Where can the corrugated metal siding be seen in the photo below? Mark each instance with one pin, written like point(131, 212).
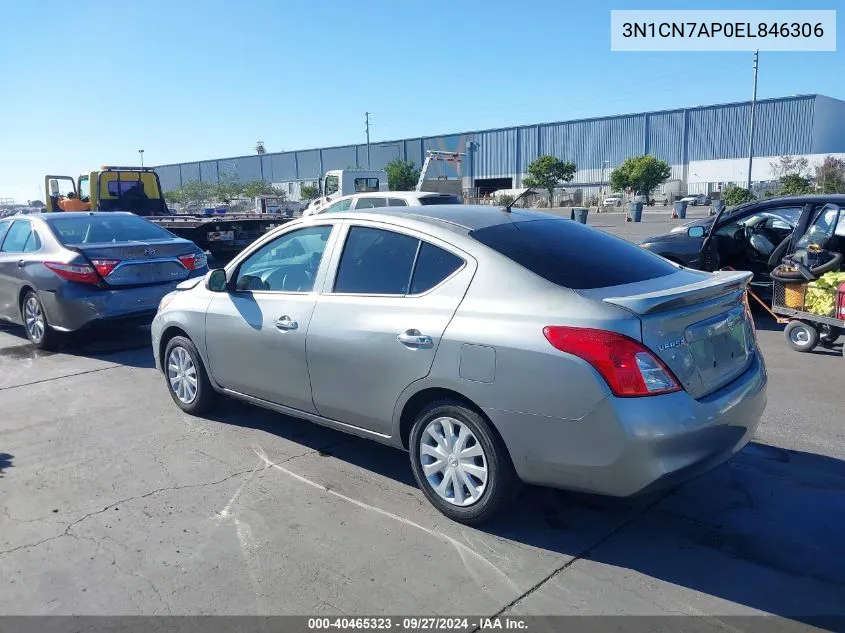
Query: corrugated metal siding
point(452, 143)
point(170, 177)
point(413, 151)
point(309, 164)
point(495, 154)
point(190, 172)
point(527, 147)
point(784, 126)
point(380, 154)
point(279, 167)
point(588, 143)
point(781, 127)
point(666, 136)
point(208, 171)
point(339, 158)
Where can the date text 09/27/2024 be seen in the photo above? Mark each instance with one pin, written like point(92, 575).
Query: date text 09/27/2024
point(417, 623)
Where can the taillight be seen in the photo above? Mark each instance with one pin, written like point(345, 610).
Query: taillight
point(80, 273)
point(629, 368)
point(104, 266)
point(193, 261)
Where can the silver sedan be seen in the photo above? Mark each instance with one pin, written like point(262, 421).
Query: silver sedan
point(497, 347)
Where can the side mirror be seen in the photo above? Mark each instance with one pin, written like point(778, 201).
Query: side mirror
point(696, 231)
point(54, 187)
point(216, 280)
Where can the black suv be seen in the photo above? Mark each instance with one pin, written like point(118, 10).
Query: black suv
point(753, 236)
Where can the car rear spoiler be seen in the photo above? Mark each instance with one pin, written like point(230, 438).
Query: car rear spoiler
point(718, 284)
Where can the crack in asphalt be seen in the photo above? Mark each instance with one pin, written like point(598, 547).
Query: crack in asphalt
point(43, 380)
point(85, 517)
point(585, 553)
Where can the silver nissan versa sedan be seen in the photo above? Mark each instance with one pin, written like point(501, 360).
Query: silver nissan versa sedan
point(496, 346)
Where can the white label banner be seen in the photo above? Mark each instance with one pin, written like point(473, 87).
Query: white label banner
point(712, 30)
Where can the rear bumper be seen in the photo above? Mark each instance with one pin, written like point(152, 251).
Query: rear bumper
point(626, 446)
point(75, 306)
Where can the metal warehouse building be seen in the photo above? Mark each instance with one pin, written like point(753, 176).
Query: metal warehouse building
point(707, 147)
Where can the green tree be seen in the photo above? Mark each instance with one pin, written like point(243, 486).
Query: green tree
point(549, 172)
point(794, 184)
point(309, 192)
point(198, 192)
point(36, 203)
point(830, 175)
point(175, 195)
point(737, 195)
point(255, 188)
point(401, 175)
point(228, 188)
point(640, 173)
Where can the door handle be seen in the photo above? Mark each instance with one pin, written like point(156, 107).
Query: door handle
point(21, 263)
point(414, 338)
point(286, 323)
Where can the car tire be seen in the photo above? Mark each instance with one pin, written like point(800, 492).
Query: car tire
point(487, 457)
point(186, 377)
point(801, 336)
point(38, 330)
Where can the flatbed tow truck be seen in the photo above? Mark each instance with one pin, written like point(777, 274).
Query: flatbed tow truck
point(138, 190)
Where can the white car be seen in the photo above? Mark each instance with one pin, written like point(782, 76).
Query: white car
point(695, 200)
point(613, 201)
point(377, 199)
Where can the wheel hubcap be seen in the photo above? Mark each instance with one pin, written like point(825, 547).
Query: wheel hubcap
point(453, 461)
point(800, 337)
point(182, 375)
point(34, 318)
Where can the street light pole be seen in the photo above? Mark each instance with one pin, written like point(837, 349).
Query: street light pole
point(141, 152)
point(751, 126)
point(367, 121)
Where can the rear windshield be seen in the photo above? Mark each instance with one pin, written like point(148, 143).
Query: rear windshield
point(97, 229)
point(572, 255)
point(444, 199)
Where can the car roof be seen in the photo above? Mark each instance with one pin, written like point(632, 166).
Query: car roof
point(407, 195)
point(81, 214)
point(461, 218)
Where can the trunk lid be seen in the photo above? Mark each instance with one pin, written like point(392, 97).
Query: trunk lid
point(696, 323)
point(141, 262)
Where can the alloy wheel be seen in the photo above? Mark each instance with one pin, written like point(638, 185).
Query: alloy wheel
point(34, 318)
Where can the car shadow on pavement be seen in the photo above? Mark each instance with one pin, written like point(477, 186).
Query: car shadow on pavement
point(763, 530)
point(5, 462)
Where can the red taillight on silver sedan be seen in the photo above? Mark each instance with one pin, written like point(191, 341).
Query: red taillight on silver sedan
point(80, 273)
point(629, 368)
point(193, 260)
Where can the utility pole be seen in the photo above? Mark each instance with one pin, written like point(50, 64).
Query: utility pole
point(367, 122)
point(751, 127)
point(141, 152)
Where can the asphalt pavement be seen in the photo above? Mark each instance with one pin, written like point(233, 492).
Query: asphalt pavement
point(114, 502)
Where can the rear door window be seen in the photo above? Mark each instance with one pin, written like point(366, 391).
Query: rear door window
point(375, 261)
point(17, 237)
point(397, 202)
point(4, 226)
point(433, 266)
point(340, 205)
point(572, 255)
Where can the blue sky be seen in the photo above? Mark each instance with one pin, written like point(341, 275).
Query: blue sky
point(87, 83)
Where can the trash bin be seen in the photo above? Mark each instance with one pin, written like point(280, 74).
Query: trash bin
point(716, 206)
point(580, 214)
point(635, 210)
point(680, 209)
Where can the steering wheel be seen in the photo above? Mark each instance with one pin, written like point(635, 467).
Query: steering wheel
point(298, 280)
point(133, 199)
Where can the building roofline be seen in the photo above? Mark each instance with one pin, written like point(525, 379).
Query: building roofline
point(511, 127)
